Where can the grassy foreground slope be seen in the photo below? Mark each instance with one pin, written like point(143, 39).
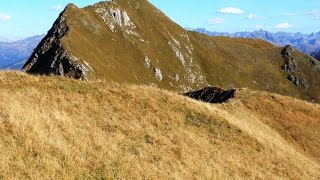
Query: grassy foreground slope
point(61, 128)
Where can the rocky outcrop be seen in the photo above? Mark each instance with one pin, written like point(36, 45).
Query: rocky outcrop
point(50, 57)
point(291, 67)
point(212, 94)
point(287, 51)
point(298, 81)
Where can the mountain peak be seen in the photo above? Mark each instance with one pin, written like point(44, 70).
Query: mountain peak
point(71, 6)
point(50, 57)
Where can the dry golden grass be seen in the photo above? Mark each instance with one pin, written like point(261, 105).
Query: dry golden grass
point(64, 129)
point(297, 121)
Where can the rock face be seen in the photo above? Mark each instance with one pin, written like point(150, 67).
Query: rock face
point(290, 65)
point(131, 41)
point(212, 94)
point(50, 57)
point(287, 51)
point(295, 66)
point(299, 81)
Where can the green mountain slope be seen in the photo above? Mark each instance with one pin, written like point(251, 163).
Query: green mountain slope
point(131, 41)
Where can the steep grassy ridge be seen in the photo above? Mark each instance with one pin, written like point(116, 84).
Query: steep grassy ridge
point(65, 129)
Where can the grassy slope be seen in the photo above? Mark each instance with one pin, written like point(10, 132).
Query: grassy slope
point(60, 128)
point(295, 120)
point(224, 62)
point(254, 64)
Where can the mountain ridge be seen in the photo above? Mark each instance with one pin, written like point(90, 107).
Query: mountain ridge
point(134, 42)
point(307, 43)
point(14, 54)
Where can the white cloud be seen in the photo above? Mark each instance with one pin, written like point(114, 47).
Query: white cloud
point(230, 10)
point(252, 16)
point(283, 26)
point(216, 21)
point(57, 7)
point(314, 13)
point(5, 17)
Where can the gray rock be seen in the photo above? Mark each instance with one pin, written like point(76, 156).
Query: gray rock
point(50, 57)
point(212, 94)
point(287, 51)
point(289, 67)
point(300, 82)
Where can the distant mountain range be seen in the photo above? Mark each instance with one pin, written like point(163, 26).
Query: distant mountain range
point(4, 39)
point(307, 43)
point(14, 54)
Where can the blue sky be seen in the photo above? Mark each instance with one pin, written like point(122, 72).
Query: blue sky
point(19, 19)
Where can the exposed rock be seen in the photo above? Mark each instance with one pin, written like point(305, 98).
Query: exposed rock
point(301, 82)
point(50, 57)
point(289, 67)
point(287, 51)
point(315, 64)
point(292, 69)
point(158, 74)
point(212, 94)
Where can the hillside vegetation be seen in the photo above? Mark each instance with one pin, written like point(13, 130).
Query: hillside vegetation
point(66, 129)
point(131, 41)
